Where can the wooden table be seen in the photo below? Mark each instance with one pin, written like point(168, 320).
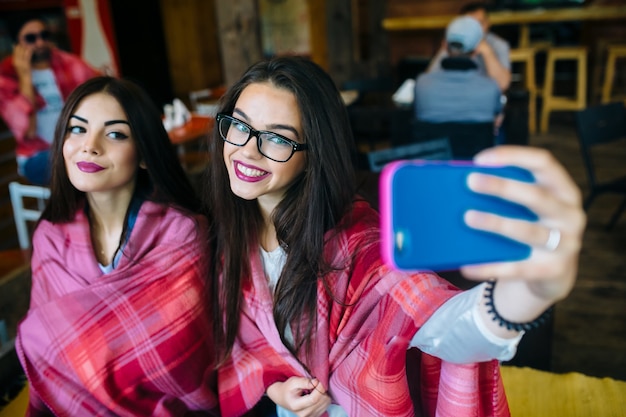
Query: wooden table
point(197, 127)
point(518, 17)
point(191, 133)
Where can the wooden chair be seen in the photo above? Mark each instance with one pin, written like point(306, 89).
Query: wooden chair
point(595, 126)
point(552, 102)
point(24, 213)
point(526, 56)
point(615, 52)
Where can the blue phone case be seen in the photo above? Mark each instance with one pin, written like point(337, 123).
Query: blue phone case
point(422, 204)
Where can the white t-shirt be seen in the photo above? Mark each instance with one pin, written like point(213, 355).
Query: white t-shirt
point(47, 87)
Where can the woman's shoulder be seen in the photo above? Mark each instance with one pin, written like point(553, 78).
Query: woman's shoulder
point(47, 229)
point(363, 214)
point(57, 237)
point(360, 223)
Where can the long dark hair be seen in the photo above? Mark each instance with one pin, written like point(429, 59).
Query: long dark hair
point(163, 180)
point(313, 205)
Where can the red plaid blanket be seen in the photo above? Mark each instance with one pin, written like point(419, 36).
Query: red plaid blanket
point(361, 341)
point(134, 342)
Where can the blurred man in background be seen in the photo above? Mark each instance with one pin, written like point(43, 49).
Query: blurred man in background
point(491, 54)
point(34, 83)
point(458, 91)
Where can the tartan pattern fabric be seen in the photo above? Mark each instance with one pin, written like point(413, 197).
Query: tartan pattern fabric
point(134, 342)
point(361, 340)
point(69, 71)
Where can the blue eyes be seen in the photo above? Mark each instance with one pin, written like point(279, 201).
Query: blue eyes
point(265, 136)
point(77, 130)
point(277, 140)
point(117, 135)
point(241, 127)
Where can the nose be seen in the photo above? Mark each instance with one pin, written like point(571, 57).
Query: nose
point(91, 144)
point(251, 149)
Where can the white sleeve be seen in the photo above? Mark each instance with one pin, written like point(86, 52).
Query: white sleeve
point(456, 333)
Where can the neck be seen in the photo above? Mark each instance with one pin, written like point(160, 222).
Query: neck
point(41, 65)
point(106, 218)
point(267, 236)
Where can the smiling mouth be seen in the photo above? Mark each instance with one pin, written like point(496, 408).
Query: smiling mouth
point(249, 172)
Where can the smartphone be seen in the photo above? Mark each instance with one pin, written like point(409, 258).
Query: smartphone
point(422, 204)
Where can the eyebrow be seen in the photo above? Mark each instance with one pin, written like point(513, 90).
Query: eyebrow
point(107, 123)
point(272, 126)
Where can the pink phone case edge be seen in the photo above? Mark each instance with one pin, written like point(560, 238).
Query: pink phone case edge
point(386, 213)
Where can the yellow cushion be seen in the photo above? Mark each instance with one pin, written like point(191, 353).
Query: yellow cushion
point(537, 393)
point(17, 407)
point(530, 393)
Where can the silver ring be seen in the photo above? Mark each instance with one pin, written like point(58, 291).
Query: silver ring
point(553, 240)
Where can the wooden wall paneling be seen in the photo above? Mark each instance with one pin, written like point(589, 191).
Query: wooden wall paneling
point(239, 37)
point(319, 40)
point(403, 8)
point(340, 40)
point(192, 43)
point(423, 43)
point(370, 51)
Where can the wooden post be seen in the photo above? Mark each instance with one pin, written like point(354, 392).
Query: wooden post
point(239, 37)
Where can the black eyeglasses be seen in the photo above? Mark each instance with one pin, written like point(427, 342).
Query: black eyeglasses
point(32, 37)
point(271, 145)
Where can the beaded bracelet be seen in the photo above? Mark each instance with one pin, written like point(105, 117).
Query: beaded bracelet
point(510, 325)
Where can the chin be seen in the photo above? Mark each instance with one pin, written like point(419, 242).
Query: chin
point(40, 56)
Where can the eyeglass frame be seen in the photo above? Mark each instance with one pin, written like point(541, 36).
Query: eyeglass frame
point(31, 38)
point(295, 146)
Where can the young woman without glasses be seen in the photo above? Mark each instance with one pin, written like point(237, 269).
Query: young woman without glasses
point(118, 324)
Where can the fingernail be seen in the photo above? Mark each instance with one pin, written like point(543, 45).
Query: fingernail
point(473, 218)
point(474, 181)
point(485, 158)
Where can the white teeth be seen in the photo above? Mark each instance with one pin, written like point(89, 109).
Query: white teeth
point(249, 172)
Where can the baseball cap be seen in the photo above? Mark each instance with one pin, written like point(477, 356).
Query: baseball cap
point(465, 30)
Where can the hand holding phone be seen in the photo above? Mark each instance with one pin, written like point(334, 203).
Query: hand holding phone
point(422, 204)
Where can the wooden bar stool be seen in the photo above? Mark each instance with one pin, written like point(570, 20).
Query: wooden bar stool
point(615, 52)
point(551, 102)
point(527, 57)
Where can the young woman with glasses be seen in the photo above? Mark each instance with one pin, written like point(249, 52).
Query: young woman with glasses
point(312, 318)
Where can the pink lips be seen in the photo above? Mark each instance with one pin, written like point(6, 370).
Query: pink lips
point(89, 167)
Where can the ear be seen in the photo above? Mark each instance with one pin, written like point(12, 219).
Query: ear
point(142, 164)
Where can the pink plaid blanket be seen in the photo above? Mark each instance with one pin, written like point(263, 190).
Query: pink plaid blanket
point(134, 342)
point(361, 344)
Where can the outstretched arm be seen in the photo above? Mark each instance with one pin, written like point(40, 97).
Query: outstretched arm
point(525, 289)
